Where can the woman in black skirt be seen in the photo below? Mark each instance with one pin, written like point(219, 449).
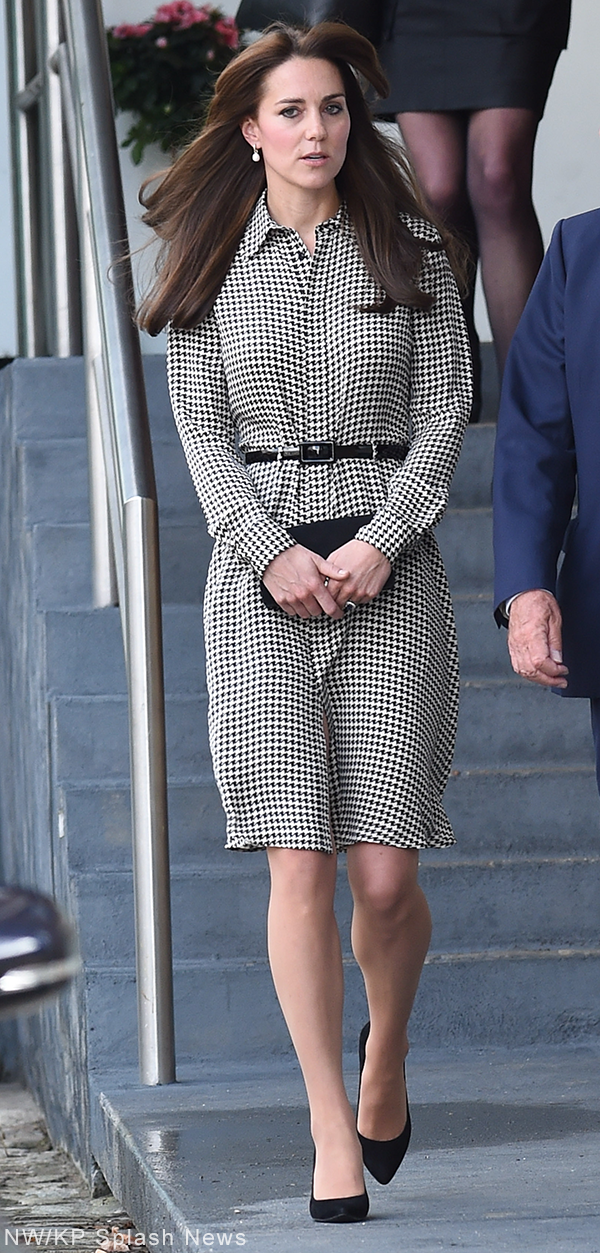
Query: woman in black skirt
point(469, 83)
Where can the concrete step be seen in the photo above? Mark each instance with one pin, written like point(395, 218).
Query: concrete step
point(47, 398)
point(465, 540)
point(481, 645)
point(54, 481)
point(495, 813)
point(471, 486)
point(521, 811)
point(516, 723)
point(62, 564)
point(95, 822)
point(500, 723)
point(91, 739)
point(512, 998)
point(84, 651)
point(220, 913)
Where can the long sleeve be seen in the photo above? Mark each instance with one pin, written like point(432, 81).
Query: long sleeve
point(534, 471)
point(198, 388)
point(440, 402)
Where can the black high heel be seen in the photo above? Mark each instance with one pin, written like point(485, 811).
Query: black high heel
point(381, 1157)
point(340, 1209)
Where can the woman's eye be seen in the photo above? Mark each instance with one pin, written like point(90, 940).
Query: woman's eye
point(334, 108)
point(291, 111)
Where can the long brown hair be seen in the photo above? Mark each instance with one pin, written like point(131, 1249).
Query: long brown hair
point(203, 202)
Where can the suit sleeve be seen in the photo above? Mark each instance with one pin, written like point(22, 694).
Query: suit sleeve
point(534, 467)
point(234, 513)
point(441, 393)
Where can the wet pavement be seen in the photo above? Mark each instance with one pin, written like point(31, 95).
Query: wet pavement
point(505, 1158)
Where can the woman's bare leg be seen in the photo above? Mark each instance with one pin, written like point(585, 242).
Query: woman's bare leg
point(500, 147)
point(437, 146)
point(306, 963)
point(391, 930)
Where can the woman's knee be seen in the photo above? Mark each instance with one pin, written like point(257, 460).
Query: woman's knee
point(302, 876)
point(499, 172)
point(383, 880)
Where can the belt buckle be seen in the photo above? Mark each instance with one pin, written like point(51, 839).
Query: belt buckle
point(317, 452)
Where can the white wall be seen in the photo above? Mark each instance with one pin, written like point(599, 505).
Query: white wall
point(567, 167)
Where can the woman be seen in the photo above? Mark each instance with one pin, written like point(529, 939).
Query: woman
point(318, 323)
point(468, 88)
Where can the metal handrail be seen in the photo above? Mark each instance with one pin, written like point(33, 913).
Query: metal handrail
point(68, 180)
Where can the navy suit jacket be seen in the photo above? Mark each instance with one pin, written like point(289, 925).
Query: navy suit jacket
point(548, 447)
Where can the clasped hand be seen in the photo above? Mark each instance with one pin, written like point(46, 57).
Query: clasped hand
point(535, 639)
point(307, 585)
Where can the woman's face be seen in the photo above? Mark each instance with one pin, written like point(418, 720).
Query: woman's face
point(302, 124)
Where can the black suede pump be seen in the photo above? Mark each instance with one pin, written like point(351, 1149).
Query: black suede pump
point(381, 1157)
point(341, 1209)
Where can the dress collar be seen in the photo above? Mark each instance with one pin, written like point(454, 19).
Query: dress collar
point(260, 225)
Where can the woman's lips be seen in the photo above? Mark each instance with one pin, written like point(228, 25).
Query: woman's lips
point(315, 158)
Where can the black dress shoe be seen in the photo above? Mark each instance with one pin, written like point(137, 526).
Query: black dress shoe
point(339, 1209)
point(381, 1157)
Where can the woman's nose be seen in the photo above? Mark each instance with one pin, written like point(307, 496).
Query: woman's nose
point(315, 126)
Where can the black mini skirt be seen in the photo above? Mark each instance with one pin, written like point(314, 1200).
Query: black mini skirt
point(448, 55)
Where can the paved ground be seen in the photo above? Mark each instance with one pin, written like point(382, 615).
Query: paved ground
point(43, 1198)
point(505, 1157)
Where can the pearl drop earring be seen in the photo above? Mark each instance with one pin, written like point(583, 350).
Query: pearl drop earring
point(256, 153)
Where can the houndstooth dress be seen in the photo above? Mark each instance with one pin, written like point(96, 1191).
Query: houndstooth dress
point(284, 356)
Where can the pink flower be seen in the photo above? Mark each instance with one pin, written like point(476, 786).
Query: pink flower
point(128, 31)
point(161, 42)
point(228, 31)
point(180, 13)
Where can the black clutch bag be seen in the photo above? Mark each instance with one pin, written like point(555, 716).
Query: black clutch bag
point(364, 15)
point(323, 538)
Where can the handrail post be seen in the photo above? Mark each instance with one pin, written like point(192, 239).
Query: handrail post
point(26, 199)
point(46, 116)
point(131, 489)
point(148, 788)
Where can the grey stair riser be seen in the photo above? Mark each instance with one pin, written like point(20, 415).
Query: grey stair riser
point(494, 814)
point(33, 381)
point(84, 651)
point(482, 647)
point(223, 915)
point(231, 1014)
point(465, 540)
point(54, 482)
point(97, 826)
point(48, 398)
point(525, 812)
point(91, 738)
point(520, 724)
point(498, 724)
point(471, 487)
point(63, 554)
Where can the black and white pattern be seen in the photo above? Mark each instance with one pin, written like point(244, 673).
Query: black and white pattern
point(286, 356)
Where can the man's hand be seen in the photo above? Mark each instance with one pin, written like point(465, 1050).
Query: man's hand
point(299, 581)
point(535, 638)
point(368, 570)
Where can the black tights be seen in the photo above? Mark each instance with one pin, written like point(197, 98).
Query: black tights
point(476, 170)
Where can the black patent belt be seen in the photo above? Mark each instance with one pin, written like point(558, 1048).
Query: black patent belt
point(325, 452)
